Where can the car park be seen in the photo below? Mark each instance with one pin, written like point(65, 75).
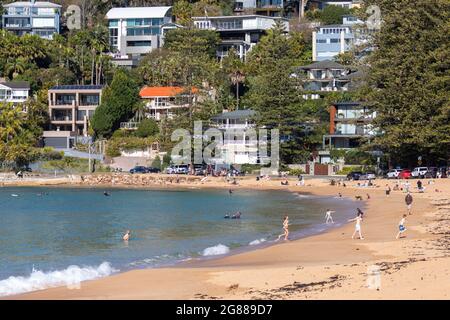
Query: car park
point(431, 173)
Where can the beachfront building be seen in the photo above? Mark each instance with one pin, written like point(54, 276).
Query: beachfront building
point(136, 31)
point(238, 146)
point(163, 102)
point(349, 123)
point(15, 92)
point(238, 32)
point(70, 108)
point(34, 17)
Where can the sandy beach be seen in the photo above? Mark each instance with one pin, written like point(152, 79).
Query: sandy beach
point(326, 266)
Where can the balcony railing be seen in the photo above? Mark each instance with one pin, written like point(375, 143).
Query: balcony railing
point(129, 125)
point(61, 118)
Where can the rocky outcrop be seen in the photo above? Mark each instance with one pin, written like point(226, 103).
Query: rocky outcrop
point(137, 179)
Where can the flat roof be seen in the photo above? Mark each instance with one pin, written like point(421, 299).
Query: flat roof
point(239, 17)
point(77, 87)
point(137, 12)
point(39, 4)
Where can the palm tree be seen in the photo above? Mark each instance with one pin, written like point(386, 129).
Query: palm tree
point(14, 67)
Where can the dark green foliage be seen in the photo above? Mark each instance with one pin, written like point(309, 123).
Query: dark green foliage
point(410, 76)
point(117, 104)
point(156, 163)
point(147, 128)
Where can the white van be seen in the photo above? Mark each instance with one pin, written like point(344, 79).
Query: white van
point(393, 174)
point(419, 172)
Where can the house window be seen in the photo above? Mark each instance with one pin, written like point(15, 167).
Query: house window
point(139, 43)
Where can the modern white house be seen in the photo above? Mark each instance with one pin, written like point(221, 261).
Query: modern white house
point(135, 31)
point(34, 17)
point(238, 32)
point(14, 91)
point(239, 145)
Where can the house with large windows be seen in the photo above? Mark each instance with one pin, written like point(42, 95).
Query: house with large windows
point(34, 17)
point(135, 31)
point(70, 109)
point(14, 91)
point(239, 32)
point(163, 102)
point(350, 122)
point(325, 76)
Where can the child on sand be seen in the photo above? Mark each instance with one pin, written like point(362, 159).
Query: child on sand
point(285, 229)
point(328, 216)
point(401, 227)
point(358, 220)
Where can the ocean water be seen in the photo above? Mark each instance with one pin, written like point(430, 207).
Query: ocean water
point(60, 236)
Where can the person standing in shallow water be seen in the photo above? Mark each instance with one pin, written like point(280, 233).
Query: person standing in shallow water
point(285, 229)
point(127, 235)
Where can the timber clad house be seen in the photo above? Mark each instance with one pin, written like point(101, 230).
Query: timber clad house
point(349, 123)
point(34, 17)
point(70, 109)
point(238, 32)
point(163, 102)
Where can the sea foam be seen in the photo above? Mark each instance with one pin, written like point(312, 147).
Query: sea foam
point(216, 250)
point(257, 241)
point(38, 280)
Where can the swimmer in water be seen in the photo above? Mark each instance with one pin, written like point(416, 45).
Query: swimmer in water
point(127, 235)
point(237, 215)
point(227, 216)
point(106, 194)
point(230, 191)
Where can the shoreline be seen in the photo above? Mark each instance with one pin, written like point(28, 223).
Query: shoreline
point(277, 263)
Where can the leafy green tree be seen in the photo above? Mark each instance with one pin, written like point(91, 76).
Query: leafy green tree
point(156, 163)
point(117, 104)
point(409, 80)
point(331, 14)
point(147, 128)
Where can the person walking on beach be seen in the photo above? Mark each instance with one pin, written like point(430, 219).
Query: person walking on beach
point(328, 216)
point(419, 186)
point(127, 235)
point(285, 229)
point(388, 190)
point(401, 227)
point(358, 220)
point(409, 201)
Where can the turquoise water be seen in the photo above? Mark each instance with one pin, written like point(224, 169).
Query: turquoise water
point(47, 229)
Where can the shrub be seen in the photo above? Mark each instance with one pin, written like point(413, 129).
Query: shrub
point(147, 128)
point(156, 162)
point(296, 172)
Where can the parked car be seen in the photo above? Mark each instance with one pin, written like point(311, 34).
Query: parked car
point(199, 170)
point(178, 169)
point(431, 173)
point(419, 172)
point(444, 171)
point(153, 170)
point(393, 173)
point(139, 169)
point(404, 174)
point(354, 175)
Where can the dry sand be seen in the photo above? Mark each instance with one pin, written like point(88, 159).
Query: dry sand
point(325, 266)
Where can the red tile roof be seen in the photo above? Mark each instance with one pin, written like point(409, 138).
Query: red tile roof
point(149, 92)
